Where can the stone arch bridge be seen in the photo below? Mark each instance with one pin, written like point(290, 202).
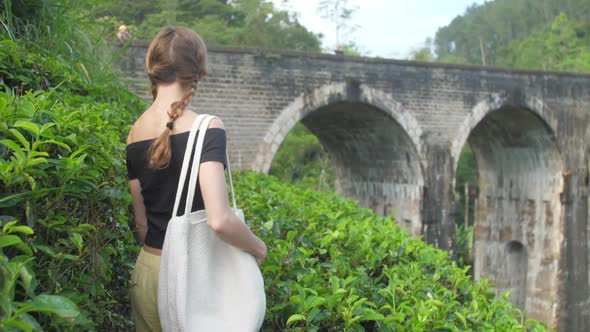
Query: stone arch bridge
point(394, 131)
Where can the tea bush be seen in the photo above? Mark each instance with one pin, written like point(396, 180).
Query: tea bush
point(65, 248)
point(334, 266)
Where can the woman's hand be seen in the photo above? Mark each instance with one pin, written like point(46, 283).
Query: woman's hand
point(261, 254)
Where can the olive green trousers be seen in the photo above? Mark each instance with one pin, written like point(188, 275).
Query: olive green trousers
point(144, 292)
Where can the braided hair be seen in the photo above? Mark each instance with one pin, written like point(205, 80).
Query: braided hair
point(176, 54)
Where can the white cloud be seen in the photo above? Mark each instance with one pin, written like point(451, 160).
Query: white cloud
point(387, 28)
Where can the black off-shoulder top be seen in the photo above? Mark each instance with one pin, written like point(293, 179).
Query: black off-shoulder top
point(158, 186)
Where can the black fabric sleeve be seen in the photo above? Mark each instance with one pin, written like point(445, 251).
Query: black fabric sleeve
point(131, 174)
point(214, 146)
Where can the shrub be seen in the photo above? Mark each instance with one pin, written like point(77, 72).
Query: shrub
point(62, 176)
point(16, 308)
point(334, 266)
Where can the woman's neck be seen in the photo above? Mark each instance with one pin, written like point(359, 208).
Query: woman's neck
point(167, 94)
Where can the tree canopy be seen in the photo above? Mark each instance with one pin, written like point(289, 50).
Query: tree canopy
point(238, 22)
point(543, 34)
point(563, 45)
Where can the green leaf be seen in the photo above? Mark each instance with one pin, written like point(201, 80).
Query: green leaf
point(54, 142)
point(12, 200)
point(353, 320)
point(19, 324)
point(71, 257)
point(35, 161)
point(268, 225)
point(370, 314)
point(46, 249)
point(312, 314)
point(28, 278)
point(8, 226)
point(31, 321)
point(21, 138)
point(314, 301)
point(461, 318)
point(77, 240)
point(9, 240)
point(47, 126)
point(22, 229)
point(298, 299)
point(55, 304)
point(11, 145)
point(291, 235)
point(294, 319)
point(85, 228)
point(28, 126)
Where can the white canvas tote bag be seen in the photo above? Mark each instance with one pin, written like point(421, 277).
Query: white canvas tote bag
point(205, 283)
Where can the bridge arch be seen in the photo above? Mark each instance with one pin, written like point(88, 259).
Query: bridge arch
point(373, 143)
point(520, 182)
point(493, 102)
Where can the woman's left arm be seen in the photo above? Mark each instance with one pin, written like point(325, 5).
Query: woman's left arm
point(138, 210)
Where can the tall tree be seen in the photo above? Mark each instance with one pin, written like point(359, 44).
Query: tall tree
point(129, 12)
point(424, 53)
point(340, 13)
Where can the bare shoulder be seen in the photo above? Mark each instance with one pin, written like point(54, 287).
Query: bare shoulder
point(216, 123)
point(136, 130)
point(132, 137)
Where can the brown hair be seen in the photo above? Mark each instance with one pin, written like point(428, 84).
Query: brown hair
point(176, 54)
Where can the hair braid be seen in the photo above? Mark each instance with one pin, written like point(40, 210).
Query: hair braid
point(160, 151)
point(175, 55)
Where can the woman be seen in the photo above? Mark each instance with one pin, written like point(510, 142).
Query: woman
point(175, 62)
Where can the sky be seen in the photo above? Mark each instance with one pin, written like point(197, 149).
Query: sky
point(386, 28)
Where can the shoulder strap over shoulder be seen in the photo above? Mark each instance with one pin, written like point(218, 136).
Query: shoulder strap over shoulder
point(197, 161)
point(231, 183)
point(199, 126)
point(194, 171)
point(186, 161)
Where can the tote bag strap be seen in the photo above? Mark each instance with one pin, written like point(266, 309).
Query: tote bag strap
point(231, 183)
point(195, 169)
point(186, 161)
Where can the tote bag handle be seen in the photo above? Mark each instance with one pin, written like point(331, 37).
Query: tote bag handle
point(186, 161)
point(197, 160)
point(194, 169)
point(231, 183)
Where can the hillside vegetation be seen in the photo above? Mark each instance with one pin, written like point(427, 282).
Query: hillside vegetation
point(65, 243)
point(543, 34)
point(334, 266)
